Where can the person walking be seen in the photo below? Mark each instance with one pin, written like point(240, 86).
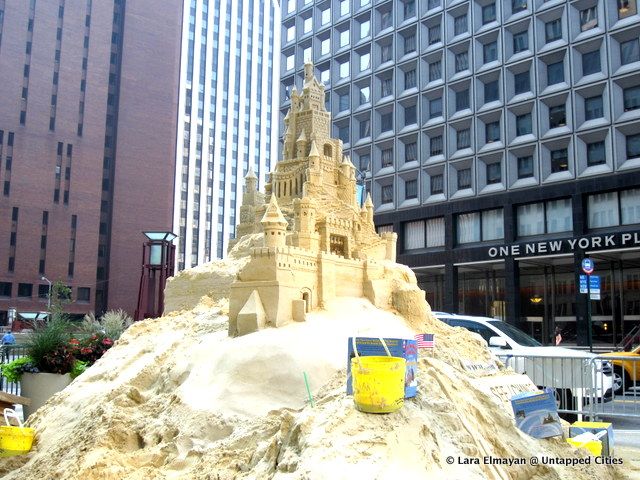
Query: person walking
point(8, 339)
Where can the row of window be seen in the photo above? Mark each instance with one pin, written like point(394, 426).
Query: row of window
point(553, 216)
point(26, 291)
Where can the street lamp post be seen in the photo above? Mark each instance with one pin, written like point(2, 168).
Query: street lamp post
point(49, 295)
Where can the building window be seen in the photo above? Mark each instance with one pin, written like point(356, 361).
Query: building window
point(25, 290)
point(344, 70)
point(343, 102)
point(386, 122)
point(464, 178)
point(343, 133)
point(462, 61)
point(595, 153)
point(325, 16)
point(411, 152)
point(550, 217)
point(522, 82)
point(525, 167)
point(631, 98)
point(630, 206)
point(414, 235)
point(435, 108)
point(5, 289)
point(463, 138)
point(588, 18)
point(593, 107)
point(518, 5)
point(435, 71)
point(603, 210)
point(291, 33)
point(559, 160)
point(307, 25)
point(492, 132)
point(462, 100)
point(409, 8)
point(491, 92)
point(633, 146)
point(365, 61)
point(557, 116)
point(434, 34)
point(410, 79)
point(520, 42)
point(365, 161)
point(555, 73)
point(411, 189)
point(488, 13)
point(477, 226)
point(387, 157)
point(553, 30)
point(386, 53)
point(460, 24)
point(626, 8)
point(290, 62)
point(385, 20)
point(387, 87)
point(325, 46)
point(524, 125)
point(410, 115)
point(490, 52)
point(494, 173)
point(436, 182)
point(409, 44)
point(84, 294)
point(387, 193)
point(365, 94)
point(591, 62)
point(344, 38)
point(435, 145)
point(365, 29)
point(365, 128)
point(630, 51)
point(433, 4)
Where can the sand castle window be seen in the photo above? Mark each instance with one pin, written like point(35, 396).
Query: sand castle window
point(327, 150)
point(337, 244)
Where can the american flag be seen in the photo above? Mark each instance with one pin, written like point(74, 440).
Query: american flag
point(426, 340)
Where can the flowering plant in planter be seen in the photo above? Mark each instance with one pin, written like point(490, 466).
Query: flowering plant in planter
point(90, 349)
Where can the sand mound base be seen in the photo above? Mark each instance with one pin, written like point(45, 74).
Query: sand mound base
point(177, 399)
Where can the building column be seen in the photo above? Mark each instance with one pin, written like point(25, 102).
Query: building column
point(450, 288)
point(512, 290)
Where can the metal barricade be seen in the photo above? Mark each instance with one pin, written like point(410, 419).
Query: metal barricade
point(578, 382)
point(625, 393)
point(8, 353)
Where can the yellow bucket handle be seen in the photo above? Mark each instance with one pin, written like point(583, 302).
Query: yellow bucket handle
point(10, 412)
point(355, 350)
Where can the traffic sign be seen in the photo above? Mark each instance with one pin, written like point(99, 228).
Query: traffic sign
point(583, 283)
point(588, 266)
point(594, 282)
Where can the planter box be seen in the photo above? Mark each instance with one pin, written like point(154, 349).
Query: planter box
point(39, 387)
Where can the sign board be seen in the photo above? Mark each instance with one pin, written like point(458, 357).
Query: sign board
point(588, 266)
point(594, 286)
point(583, 283)
point(503, 387)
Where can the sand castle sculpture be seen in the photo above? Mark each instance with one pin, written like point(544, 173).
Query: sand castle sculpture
point(318, 242)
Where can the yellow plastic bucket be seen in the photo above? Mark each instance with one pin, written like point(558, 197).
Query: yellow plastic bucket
point(15, 440)
point(378, 382)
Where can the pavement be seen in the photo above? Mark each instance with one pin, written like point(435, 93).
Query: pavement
point(626, 429)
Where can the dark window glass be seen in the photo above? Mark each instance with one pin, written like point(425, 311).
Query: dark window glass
point(5, 289)
point(435, 71)
point(410, 79)
point(462, 100)
point(630, 51)
point(365, 128)
point(435, 145)
point(43, 291)
point(387, 193)
point(387, 157)
point(365, 161)
point(12, 264)
point(491, 92)
point(555, 73)
point(633, 146)
point(14, 214)
point(557, 116)
point(386, 121)
point(524, 125)
point(490, 52)
point(463, 138)
point(462, 61)
point(492, 132)
point(488, 13)
point(553, 30)
point(84, 294)
point(464, 178)
point(410, 115)
point(460, 24)
point(387, 87)
point(411, 152)
point(595, 153)
point(591, 62)
point(435, 108)
point(593, 107)
point(588, 18)
point(518, 5)
point(409, 44)
point(631, 98)
point(522, 82)
point(411, 189)
point(525, 167)
point(25, 289)
point(494, 173)
point(434, 34)
point(520, 42)
point(343, 102)
point(437, 184)
point(559, 160)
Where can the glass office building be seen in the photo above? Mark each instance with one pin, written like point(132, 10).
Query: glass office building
point(226, 118)
point(499, 139)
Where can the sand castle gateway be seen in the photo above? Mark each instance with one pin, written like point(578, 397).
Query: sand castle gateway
point(318, 242)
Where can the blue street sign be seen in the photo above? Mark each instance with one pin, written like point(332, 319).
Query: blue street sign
point(594, 282)
point(583, 284)
point(588, 266)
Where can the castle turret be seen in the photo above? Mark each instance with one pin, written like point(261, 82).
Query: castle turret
point(274, 225)
point(301, 145)
point(250, 187)
point(368, 205)
point(314, 164)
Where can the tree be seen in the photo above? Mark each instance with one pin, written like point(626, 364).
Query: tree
point(60, 296)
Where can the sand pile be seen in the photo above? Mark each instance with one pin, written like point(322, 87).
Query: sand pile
point(176, 398)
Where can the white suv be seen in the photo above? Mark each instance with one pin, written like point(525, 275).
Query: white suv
point(578, 377)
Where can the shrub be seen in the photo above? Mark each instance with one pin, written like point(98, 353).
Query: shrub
point(48, 348)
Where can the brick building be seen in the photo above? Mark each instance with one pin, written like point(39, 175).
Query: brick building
point(88, 108)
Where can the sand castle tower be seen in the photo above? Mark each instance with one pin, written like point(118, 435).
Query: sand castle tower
point(319, 242)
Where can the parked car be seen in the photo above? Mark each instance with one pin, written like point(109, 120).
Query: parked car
point(576, 376)
point(626, 373)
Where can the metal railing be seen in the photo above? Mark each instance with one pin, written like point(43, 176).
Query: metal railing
point(625, 398)
point(579, 382)
point(9, 353)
